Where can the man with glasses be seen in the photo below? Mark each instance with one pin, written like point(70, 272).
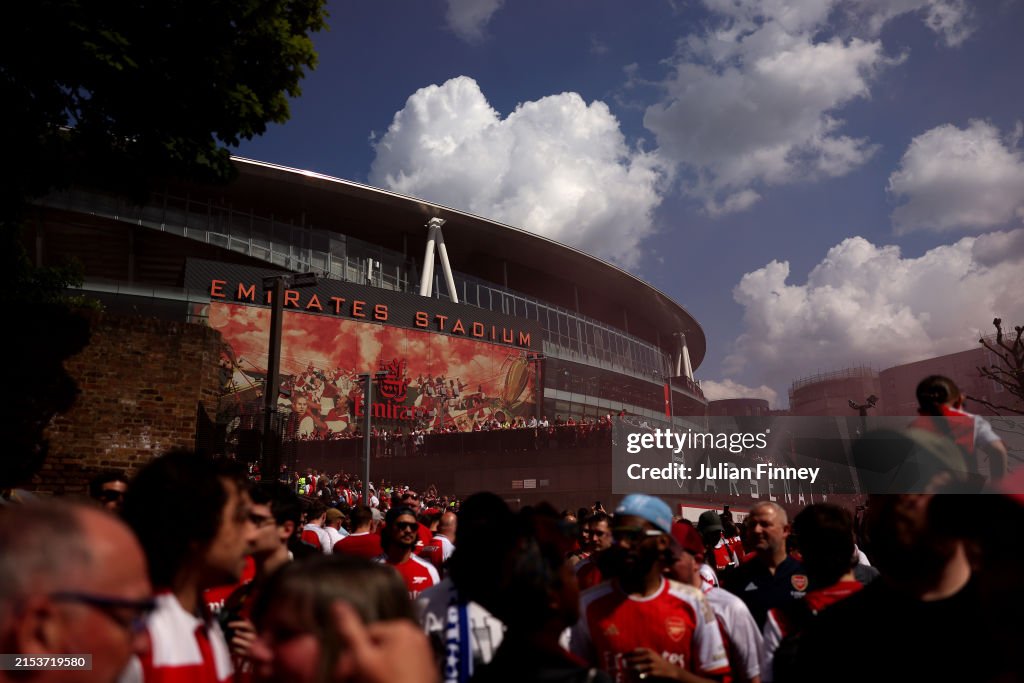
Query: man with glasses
point(413, 501)
point(192, 517)
point(641, 625)
point(72, 582)
point(275, 513)
point(109, 488)
point(399, 540)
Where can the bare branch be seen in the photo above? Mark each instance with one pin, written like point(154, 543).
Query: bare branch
point(995, 406)
point(1009, 373)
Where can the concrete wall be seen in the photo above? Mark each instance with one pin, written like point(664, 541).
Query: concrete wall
point(899, 383)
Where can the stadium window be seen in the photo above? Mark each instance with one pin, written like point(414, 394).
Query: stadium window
point(563, 324)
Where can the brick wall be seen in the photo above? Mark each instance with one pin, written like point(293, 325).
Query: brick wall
point(142, 384)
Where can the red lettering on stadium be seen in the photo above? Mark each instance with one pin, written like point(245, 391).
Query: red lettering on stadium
point(389, 411)
point(246, 293)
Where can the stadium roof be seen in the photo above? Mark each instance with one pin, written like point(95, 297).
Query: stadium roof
point(493, 251)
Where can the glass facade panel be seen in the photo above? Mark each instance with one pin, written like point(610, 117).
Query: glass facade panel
point(303, 247)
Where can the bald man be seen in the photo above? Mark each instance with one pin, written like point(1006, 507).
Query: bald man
point(442, 545)
point(773, 577)
point(73, 581)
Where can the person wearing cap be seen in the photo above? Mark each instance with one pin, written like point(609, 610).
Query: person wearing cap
point(333, 527)
point(772, 577)
point(401, 531)
point(726, 514)
point(709, 526)
point(740, 634)
point(641, 625)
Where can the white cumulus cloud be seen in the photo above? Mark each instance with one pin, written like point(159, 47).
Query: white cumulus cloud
point(556, 166)
point(468, 18)
point(755, 98)
point(727, 388)
point(755, 103)
point(953, 178)
point(868, 305)
point(999, 247)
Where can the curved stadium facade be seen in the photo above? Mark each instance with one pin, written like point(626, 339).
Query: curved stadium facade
point(591, 338)
point(540, 329)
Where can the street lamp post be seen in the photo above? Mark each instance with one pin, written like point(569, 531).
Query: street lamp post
point(368, 380)
point(276, 284)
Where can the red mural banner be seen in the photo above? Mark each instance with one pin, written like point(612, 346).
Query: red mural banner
point(430, 381)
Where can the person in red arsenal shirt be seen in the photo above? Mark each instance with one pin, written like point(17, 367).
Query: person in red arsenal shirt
point(399, 540)
point(412, 500)
point(192, 517)
point(442, 545)
point(363, 541)
point(941, 411)
point(641, 625)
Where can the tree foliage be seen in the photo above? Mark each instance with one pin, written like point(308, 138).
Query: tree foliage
point(1008, 370)
point(118, 93)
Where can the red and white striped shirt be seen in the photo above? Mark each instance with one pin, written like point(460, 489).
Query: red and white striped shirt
point(184, 648)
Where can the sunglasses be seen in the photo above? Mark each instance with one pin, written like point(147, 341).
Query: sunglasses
point(633, 533)
point(115, 608)
point(109, 495)
point(410, 496)
point(407, 526)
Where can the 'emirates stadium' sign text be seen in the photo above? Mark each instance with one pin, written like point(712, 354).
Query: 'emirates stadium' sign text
point(360, 309)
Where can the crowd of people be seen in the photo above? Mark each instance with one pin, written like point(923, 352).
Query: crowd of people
point(193, 571)
point(304, 425)
point(326, 404)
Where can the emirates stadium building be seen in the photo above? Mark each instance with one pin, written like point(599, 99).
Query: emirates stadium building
point(507, 325)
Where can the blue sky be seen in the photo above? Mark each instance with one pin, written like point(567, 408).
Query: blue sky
point(821, 183)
